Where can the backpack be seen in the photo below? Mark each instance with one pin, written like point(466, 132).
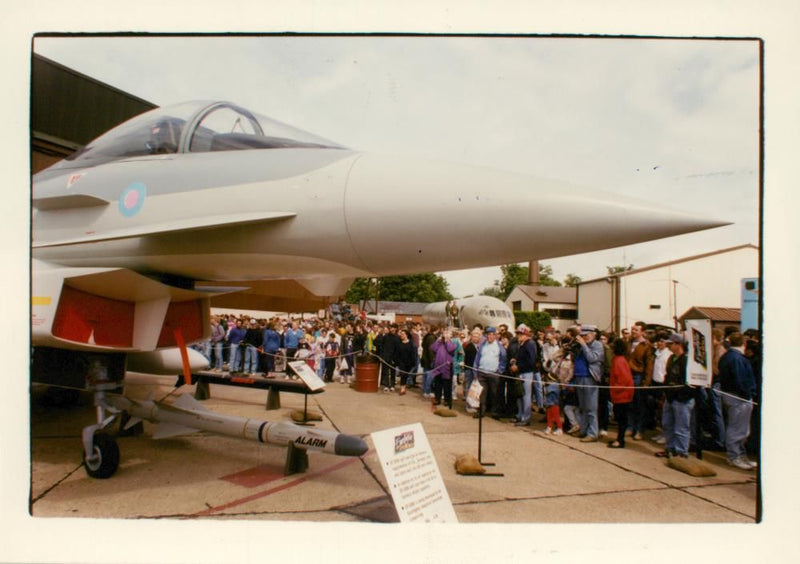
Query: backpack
point(563, 370)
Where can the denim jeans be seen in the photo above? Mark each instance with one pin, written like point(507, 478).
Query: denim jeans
point(537, 389)
point(636, 412)
point(737, 425)
point(676, 420)
point(218, 355)
point(235, 358)
point(717, 418)
point(250, 359)
point(427, 382)
point(524, 403)
point(207, 351)
point(586, 389)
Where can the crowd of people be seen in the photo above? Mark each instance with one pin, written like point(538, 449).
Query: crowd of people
point(578, 382)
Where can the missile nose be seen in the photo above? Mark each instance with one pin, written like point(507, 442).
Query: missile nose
point(430, 216)
point(349, 445)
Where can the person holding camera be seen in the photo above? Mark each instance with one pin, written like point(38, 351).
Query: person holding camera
point(443, 350)
point(589, 358)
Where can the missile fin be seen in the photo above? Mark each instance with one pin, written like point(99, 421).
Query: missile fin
point(131, 422)
point(166, 430)
point(186, 401)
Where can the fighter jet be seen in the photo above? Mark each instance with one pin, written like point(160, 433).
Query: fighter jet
point(135, 233)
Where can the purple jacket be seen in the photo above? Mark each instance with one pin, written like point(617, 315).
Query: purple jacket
point(443, 358)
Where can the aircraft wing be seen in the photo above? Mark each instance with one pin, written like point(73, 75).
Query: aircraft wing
point(278, 295)
point(173, 227)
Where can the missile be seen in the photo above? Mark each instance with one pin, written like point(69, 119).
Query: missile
point(165, 361)
point(186, 415)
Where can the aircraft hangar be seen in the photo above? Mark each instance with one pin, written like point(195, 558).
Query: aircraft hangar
point(69, 109)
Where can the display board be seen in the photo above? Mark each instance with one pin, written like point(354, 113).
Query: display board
point(307, 375)
point(413, 476)
point(699, 352)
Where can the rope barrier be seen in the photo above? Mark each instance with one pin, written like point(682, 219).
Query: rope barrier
point(569, 384)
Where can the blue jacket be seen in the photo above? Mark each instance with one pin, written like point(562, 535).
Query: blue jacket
point(236, 335)
point(595, 356)
point(736, 375)
point(503, 357)
point(291, 338)
point(272, 341)
point(526, 357)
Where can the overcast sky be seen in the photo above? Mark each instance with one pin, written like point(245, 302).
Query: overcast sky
point(674, 121)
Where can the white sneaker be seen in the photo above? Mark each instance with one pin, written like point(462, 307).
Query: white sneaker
point(662, 440)
point(558, 432)
point(386, 390)
point(391, 390)
point(740, 463)
point(548, 431)
point(603, 433)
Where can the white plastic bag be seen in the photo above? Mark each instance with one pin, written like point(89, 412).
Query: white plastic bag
point(474, 394)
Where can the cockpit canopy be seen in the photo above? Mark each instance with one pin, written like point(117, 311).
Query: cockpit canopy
point(193, 127)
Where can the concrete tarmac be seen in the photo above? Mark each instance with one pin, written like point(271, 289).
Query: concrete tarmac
point(545, 479)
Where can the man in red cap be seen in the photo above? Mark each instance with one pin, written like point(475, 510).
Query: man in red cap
point(523, 369)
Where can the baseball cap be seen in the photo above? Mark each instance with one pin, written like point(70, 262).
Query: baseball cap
point(676, 338)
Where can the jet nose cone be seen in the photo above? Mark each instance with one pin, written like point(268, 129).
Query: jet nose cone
point(418, 216)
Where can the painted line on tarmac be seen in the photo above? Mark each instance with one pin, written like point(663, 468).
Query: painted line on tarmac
point(276, 489)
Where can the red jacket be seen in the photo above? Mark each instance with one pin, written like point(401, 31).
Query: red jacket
point(621, 376)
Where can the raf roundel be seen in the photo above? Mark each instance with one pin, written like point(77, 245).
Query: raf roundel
point(132, 199)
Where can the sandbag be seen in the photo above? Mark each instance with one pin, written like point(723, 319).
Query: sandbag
point(467, 464)
point(299, 416)
point(691, 466)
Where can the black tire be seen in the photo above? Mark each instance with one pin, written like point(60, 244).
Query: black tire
point(108, 451)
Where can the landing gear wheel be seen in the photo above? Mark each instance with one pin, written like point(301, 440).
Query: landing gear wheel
point(104, 459)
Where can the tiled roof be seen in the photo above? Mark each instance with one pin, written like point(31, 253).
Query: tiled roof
point(719, 314)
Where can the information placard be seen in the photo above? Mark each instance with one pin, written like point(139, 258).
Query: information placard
point(699, 352)
point(413, 476)
point(302, 369)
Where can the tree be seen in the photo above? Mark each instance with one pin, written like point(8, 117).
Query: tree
point(513, 275)
point(536, 320)
point(426, 288)
point(517, 275)
point(571, 280)
point(546, 276)
point(612, 270)
point(493, 291)
point(360, 289)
